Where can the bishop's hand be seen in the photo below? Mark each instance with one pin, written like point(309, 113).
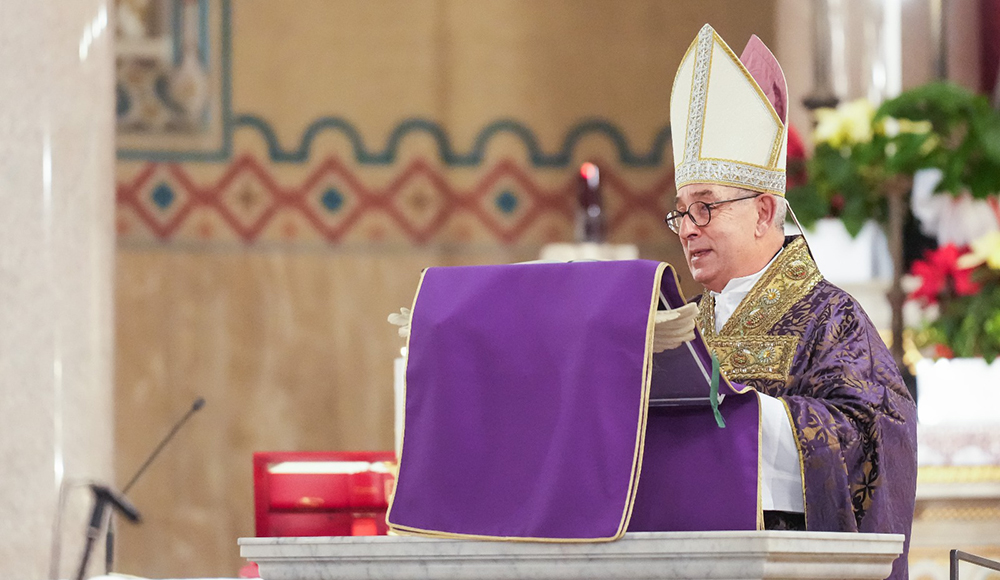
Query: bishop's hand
point(402, 320)
point(674, 327)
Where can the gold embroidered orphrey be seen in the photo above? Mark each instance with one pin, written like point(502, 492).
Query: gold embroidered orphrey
point(744, 347)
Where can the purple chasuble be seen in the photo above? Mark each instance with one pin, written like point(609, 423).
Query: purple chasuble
point(526, 415)
point(803, 340)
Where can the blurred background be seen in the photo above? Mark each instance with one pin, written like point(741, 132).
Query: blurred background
point(225, 199)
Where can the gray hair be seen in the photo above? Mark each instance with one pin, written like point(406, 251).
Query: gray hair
point(780, 212)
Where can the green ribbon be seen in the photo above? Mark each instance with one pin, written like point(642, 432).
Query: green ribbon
point(714, 393)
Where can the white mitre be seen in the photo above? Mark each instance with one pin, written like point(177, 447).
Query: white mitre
point(728, 116)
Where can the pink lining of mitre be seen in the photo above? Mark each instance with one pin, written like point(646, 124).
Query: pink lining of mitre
point(764, 69)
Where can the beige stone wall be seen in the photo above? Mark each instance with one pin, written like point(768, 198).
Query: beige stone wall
point(260, 277)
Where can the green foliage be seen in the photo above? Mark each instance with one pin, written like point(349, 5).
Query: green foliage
point(935, 125)
point(969, 326)
point(962, 285)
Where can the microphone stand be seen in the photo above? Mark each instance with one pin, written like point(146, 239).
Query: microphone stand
point(109, 541)
point(103, 496)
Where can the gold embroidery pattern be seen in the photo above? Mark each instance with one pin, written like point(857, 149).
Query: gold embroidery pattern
point(786, 282)
point(763, 357)
point(706, 317)
point(744, 347)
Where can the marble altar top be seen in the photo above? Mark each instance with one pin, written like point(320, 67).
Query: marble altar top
point(732, 555)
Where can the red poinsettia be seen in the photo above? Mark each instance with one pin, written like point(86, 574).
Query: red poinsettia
point(940, 275)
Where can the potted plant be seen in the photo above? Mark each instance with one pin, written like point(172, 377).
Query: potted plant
point(865, 158)
point(959, 296)
point(860, 151)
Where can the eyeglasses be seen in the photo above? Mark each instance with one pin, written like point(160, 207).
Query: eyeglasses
point(700, 213)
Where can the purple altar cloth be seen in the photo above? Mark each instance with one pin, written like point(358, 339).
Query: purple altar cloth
point(697, 477)
point(527, 388)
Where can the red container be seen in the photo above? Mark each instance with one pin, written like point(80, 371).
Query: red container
point(322, 493)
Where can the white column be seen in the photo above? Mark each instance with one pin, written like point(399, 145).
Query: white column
point(56, 265)
point(882, 58)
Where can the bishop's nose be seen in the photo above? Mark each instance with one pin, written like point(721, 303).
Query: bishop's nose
point(687, 228)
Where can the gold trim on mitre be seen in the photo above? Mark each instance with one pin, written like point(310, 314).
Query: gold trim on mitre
point(725, 129)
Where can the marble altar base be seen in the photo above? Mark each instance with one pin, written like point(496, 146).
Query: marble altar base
point(649, 555)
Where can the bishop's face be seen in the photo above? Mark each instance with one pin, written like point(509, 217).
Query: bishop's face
point(724, 248)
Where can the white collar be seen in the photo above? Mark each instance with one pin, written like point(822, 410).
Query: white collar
point(734, 292)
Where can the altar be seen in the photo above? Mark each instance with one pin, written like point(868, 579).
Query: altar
point(640, 555)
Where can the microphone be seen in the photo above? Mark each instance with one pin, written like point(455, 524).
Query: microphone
point(109, 542)
point(198, 404)
point(106, 495)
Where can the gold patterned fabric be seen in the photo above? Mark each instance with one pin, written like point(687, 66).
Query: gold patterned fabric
point(810, 344)
point(745, 346)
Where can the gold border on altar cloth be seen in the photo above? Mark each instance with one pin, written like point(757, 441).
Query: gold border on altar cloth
point(647, 379)
point(647, 375)
point(760, 462)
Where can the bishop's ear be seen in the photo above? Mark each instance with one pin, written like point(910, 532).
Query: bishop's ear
point(767, 206)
